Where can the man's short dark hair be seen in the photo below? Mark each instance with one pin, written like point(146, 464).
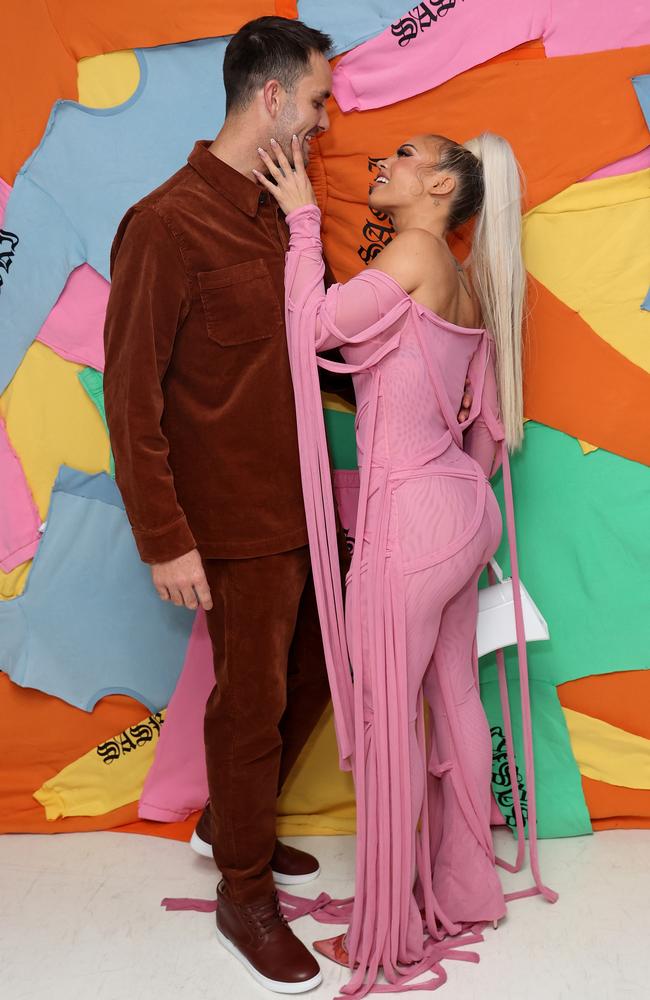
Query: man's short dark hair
point(268, 48)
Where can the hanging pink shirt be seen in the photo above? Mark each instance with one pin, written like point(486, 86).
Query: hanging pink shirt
point(436, 41)
point(75, 326)
point(177, 782)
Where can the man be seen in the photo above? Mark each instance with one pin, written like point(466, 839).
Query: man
point(201, 414)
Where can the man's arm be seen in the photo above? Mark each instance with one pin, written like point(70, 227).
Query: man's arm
point(148, 303)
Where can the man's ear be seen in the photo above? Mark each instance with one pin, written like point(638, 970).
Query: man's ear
point(272, 97)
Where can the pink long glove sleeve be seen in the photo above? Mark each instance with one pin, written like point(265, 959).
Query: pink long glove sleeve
point(425, 48)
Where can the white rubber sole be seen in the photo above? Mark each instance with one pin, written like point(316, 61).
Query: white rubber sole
point(269, 984)
point(205, 850)
point(281, 879)
point(200, 846)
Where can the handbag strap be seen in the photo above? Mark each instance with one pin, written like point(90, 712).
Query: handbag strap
point(526, 720)
point(497, 572)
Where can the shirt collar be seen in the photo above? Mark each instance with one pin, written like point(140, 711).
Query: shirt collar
point(240, 190)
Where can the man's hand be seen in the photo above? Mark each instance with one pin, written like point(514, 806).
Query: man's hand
point(183, 581)
point(466, 403)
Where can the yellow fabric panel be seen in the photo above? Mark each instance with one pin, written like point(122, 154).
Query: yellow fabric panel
point(607, 753)
point(50, 422)
point(107, 777)
point(318, 798)
point(12, 584)
point(105, 81)
point(586, 447)
point(589, 245)
point(333, 402)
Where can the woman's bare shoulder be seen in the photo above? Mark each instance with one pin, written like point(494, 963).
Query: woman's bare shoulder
point(410, 256)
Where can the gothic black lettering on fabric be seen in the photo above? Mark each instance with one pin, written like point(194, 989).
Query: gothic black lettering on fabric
point(132, 738)
point(419, 19)
point(377, 235)
point(7, 255)
point(501, 783)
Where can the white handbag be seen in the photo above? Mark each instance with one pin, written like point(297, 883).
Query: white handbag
point(495, 628)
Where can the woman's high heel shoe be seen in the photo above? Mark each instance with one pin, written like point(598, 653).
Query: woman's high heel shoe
point(334, 949)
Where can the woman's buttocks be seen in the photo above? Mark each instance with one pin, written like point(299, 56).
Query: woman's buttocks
point(438, 506)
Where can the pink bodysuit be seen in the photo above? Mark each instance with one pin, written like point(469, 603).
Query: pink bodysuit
point(427, 524)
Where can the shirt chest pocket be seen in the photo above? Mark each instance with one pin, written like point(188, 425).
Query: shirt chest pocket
point(240, 303)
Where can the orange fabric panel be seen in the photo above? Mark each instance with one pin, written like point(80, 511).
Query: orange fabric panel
point(622, 823)
point(621, 699)
point(39, 735)
point(37, 70)
point(182, 830)
point(613, 807)
point(564, 117)
point(529, 50)
point(42, 40)
point(89, 29)
point(575, 382)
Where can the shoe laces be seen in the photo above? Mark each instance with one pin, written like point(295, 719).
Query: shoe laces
point(264, 916)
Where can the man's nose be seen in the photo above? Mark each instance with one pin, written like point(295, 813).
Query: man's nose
point(324, 120)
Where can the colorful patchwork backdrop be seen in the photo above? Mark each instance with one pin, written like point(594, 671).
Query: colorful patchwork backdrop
point(576, 116)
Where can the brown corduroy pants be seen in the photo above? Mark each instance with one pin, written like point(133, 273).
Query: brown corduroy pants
point(271, 689)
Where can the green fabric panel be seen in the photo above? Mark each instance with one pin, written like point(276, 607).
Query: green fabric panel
point(341, 440)
point(93, 383)
point(583, 527)
point(561, 806)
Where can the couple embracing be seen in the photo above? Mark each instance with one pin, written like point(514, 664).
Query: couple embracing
point(216, 325)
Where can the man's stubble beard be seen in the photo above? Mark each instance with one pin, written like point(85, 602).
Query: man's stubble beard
point(287, 127)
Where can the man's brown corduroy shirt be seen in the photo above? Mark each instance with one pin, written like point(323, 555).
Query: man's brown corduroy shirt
point(197, 386)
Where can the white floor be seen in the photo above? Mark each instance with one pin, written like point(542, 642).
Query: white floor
point(80, 919)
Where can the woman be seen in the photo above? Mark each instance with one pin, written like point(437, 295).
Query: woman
point(412, 328)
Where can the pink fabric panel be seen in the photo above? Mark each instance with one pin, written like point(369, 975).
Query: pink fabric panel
point(177, 783)
point(422, 50)
point(628, 165)
point(75, 326)
point(416, 54)
point(576, 27)
point(19, 519)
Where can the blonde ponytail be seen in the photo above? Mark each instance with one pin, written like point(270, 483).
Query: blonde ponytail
point(499, 273)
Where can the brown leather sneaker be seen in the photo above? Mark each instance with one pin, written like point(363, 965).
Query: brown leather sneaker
point(260, 937)
point(289, 865)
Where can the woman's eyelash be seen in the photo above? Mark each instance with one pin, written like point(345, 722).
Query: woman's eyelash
point(402, 152)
